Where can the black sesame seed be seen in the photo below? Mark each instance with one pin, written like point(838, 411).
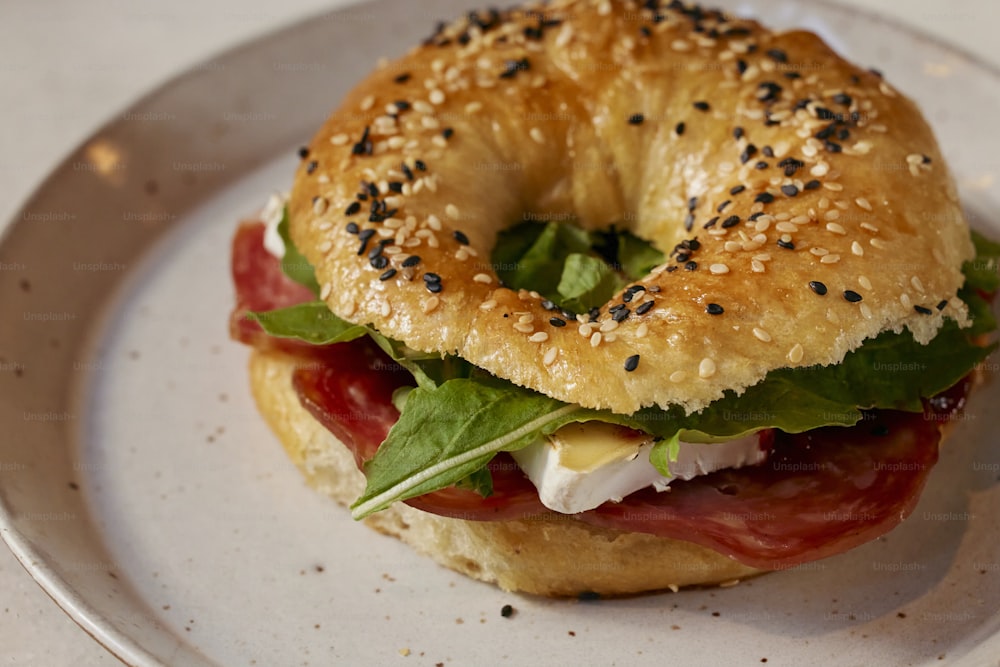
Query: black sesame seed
point(433, 288)
point(692, 203)
point(632, 363)
point(818, 287)
point(922, 310)
point(792, 75)
point(311, 167)
point(460, 237)
point(412, 260)
point(379, 262)
point(352, 228)
point(710, 223)
point(778, 55)
point(714, 309)
point(852, 296)
point(366, 234)
point(736, 189)
point(842, 98)
point(731, 221)
point(636, 119)
point(645, 308)
point(395, 186)
point(402, 105)
point(615, 308)
point(789, 190)
point(811, 185)
point(843, 134)
point(406, 171)
point(448, 132)
point(741, 66)
point(721, 207)
point(767, 151)
point(768, 91)
point(753, 216)
point(388, 273)
point(556, 322)
point(548, 305)
point(701, 106)
point(420, 165)
point(737, 133)
point(832, 147)
point(431, 277)
point(671, 269)
point(748, 153)
point(764, 198)
point(375, 251)
point(353, 208)
point(691, 266)
point(303, 152)
point(683, 257)
point(679, 129)
point(925, 159)
point(402, 78)
point(372, 188)
point(646, 32)
point(787, 245)
point(761, 165)
point(621, 314)
point(688, 221)
point(942, 304)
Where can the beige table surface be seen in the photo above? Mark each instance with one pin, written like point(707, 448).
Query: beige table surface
point(68, 66)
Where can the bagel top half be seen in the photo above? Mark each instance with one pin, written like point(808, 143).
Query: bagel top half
point(800, 193)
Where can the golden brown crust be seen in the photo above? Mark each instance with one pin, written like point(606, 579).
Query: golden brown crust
point(553, 140)
point(544, 557)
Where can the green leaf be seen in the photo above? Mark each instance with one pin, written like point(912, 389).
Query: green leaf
point(636, 256)
point(311, 322)
point(293, 263)
point(428, 369)
point(982, 272)
point(587, 282)
point(666, 452)
point(448, 433)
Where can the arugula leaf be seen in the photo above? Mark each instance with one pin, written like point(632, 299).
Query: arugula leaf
point(447, 433)
point(293, 263)
point(983, 272)
point(587, 282)
point(311, 322)
point(428, 369)
point(637, 256)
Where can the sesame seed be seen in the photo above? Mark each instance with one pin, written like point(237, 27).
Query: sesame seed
point(595, 339)
point(818, 287)
point(610, 325)
point(385, 309)
point(878, 243)
point(870, 227)
point(636, 119)
point(795, 354)
point(557, 322)
point(678, 377)
point(451, 211)
point(524, 327)
point(764, 198)
point(387, 274)
point(701, 105)
point(829, 259)
point(436, 96)
point(460, 236)
point(835, 227)
point(917, 285)
point(922, 310)
point(818, 251)
point(488, 305)
point(431, 304)
point(632, 363)
point(863, 203)
point(731, 221)
point(641, 330)
point(706, 368)
point(645, 307)
point(785, 227)
point(718, 269)
point(942, 304)
point(786, 244)
point(679, 128)
point(864, 282)
point(536, 135)
point(550, 356)
point(762, 335)
point(857, 249)
point(789, 190)
point(482, 278)
point(539, 337)
point(714, 309)
point(852, 296)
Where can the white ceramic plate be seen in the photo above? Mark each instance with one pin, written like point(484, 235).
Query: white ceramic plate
point(139, 487)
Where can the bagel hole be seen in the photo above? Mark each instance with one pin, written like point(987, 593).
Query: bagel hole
point(576, 269)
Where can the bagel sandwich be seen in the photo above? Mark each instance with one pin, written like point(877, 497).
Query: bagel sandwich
point(614, 297)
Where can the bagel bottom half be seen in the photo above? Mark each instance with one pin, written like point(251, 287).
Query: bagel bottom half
point(543, 556)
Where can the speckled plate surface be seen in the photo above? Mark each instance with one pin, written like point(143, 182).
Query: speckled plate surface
point(139, 487)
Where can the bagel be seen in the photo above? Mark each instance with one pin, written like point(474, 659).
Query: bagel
point(542, 556)
point(869, 210)
point(802, 207)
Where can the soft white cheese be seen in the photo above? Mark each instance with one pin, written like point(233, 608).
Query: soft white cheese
point(273, 210)
point(582, 466)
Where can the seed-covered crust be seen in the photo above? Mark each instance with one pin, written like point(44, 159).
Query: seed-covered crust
point(803, 201)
